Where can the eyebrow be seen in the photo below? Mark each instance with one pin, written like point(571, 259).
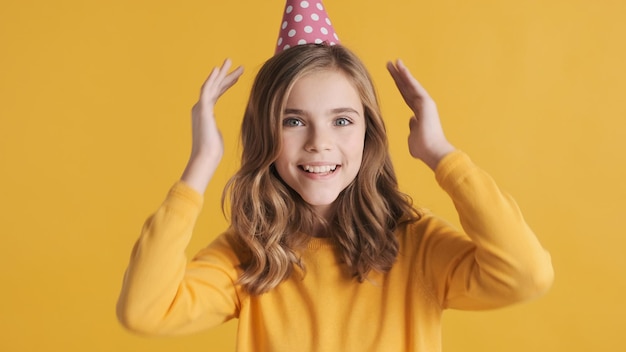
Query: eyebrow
point(333, 111)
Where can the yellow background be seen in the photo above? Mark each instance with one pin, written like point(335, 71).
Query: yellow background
point(94, 128)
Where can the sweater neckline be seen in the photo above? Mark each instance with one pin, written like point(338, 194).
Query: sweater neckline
point(321, 242)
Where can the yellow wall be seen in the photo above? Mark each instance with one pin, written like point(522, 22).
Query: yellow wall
point(94, 128)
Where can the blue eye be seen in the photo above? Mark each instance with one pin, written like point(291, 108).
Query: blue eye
point(292, 122)
point(342, 121)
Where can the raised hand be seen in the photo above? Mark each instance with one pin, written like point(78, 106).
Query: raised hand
point(427, 141)
point(207, 145)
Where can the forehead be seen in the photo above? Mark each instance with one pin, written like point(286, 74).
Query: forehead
point(324, 87)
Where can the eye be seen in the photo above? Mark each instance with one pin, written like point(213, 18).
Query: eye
point(292, 122)
point(342, 121)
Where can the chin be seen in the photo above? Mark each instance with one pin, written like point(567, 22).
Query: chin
point(321, 204)
point(317, 202)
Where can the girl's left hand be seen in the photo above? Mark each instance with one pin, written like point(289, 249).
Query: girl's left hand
point(427, 141)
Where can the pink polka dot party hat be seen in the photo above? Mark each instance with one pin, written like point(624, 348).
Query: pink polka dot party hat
point(305, 21)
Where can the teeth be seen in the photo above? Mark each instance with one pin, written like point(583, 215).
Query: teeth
point(319, 169)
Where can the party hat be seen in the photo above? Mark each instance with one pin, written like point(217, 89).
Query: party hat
point(305, 21)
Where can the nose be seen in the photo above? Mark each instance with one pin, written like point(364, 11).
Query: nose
point(318, 140)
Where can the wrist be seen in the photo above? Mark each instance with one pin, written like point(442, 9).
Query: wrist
point(437, 154)
point(200, 170)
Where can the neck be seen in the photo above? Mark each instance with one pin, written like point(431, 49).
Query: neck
point(326, 212)
point(320, 231)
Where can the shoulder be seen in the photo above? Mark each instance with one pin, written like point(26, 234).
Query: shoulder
point(221, 251)
point(419, 237)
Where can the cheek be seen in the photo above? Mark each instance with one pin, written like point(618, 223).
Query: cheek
point(283, 161)
point(354, 153)
point(290, 142)
point(356, 144)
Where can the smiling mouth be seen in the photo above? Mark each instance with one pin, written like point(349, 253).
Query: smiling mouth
point(320, 170)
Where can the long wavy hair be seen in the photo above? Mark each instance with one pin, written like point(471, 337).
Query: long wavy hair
point(270, 222)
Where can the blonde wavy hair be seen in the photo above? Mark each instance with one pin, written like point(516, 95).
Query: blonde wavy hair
point(270, 222)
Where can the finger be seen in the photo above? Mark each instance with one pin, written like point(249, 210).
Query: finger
point(230, 79)
point(208, 82)
point(397, 78)
point(392, 70)
point(217, 74)
point(219, 81)
point(409, 92)
point(223, 70)
point(409, 79)
point(413, 123)
point(405, 82)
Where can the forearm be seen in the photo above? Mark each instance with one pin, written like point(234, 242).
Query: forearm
point(158, 261)
point(508, 263)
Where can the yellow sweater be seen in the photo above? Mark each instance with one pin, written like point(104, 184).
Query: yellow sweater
point(496, 261)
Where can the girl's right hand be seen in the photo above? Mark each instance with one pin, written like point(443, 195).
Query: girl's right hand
point(207, 145)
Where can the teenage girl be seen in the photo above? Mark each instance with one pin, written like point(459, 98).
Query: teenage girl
point(324, 253)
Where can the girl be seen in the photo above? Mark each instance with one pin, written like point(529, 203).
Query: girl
point(324, 253)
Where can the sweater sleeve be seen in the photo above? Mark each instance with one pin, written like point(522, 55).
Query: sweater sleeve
point(165, 294)
point(497, 260)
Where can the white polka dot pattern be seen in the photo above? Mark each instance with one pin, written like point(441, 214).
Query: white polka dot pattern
point(305, 22)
